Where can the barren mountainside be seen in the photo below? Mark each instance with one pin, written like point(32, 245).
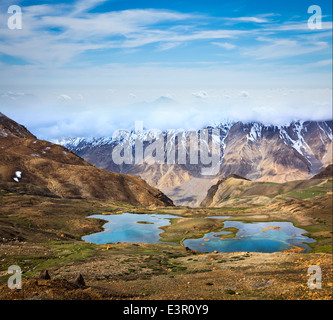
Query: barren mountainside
point(33, 165)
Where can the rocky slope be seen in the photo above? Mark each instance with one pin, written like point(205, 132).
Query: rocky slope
point(253, 150)
point(34, 164)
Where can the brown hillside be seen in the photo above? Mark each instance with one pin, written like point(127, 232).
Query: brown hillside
point(25, 160)
point(237, 191)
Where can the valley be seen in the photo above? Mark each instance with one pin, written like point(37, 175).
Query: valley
point(41, 232)
point(48, 193)
point(165, 150)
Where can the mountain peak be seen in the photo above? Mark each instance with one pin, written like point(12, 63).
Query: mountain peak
point(10, 128)
point(164, 100)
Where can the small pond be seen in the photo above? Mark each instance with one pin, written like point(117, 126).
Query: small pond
point(252, 237)
point(130, 227)
point(235, 236)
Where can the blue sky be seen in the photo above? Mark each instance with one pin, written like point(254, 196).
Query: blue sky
point(86, 68)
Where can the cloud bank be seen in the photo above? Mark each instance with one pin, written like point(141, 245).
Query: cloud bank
point(99, 113)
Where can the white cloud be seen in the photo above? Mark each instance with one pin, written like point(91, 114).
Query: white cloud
point(84, 5)
point(78, 33)
point(36, 43)
point(248, 19)
point(200, 94)
point(14, 95)
point(321, 63)
point(244, 94)
point(64, 97)
point(224, 45)
point(282, 47)
point(299, 26)
point(168, 45)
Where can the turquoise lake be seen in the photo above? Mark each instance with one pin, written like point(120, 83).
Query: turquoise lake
point(126, 227)
point(251, 237)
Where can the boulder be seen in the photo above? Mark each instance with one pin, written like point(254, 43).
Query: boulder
point(44, 274)
point(79, 280)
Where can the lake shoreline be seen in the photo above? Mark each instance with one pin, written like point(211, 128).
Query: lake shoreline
point(189, 232)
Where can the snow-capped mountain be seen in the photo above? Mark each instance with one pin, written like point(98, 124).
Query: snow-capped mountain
point(256, 151)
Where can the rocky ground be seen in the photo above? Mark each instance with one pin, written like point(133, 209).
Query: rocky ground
point(127, 271)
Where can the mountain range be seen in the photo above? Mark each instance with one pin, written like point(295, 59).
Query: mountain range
point(255, 151)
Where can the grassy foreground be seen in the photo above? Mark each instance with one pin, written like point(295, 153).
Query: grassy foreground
point(40, 232)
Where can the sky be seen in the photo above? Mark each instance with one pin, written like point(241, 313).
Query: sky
point(86, 68)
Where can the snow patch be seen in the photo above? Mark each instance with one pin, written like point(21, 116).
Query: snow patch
point(18, 175)
point(255, 132)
